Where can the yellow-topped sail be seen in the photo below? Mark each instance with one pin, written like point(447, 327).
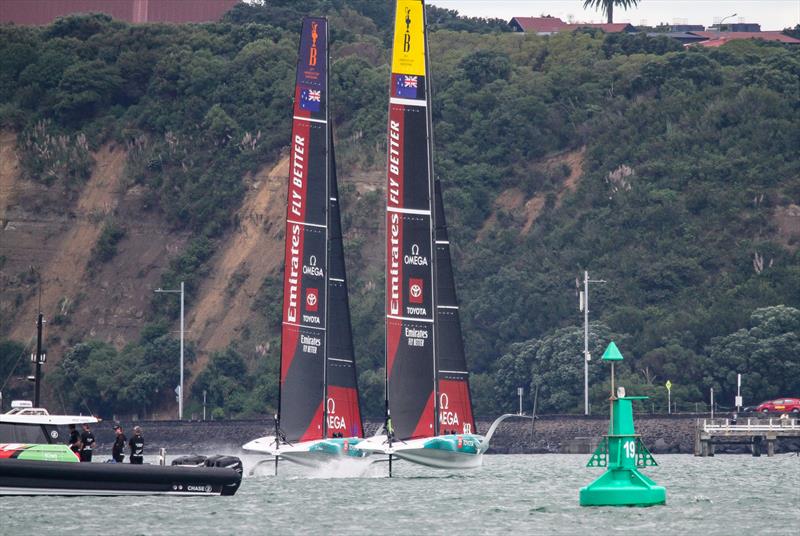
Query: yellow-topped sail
point(408, 54)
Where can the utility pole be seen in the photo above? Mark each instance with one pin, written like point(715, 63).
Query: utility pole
point(180, 387)
point(584, 306)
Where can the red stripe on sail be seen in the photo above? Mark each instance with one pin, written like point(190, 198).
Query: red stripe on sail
point(455, 408)
point(314, 430)
point(424, 426)
point(343, 414)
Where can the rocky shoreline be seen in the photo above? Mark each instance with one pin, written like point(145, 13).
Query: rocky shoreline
point(551, 434)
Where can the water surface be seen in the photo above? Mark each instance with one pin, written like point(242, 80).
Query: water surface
point(519, 494)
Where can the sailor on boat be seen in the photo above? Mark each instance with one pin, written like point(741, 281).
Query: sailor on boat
point(119, 445)
point(87, 443)
point(137, 446)
point(74, 440)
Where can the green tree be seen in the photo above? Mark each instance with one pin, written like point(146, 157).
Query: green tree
point(607, 6)
point(767, 354)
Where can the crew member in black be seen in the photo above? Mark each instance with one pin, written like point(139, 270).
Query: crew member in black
point(87, 443)
point(119, 445)
point(74, 439)
point(137, 446)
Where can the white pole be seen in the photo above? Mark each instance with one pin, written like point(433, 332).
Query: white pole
point(204, 404)
point(180, 396)
point(712, 403)
point(519, 393)
point(738, 393)
point(669, 401)
point(586, 342)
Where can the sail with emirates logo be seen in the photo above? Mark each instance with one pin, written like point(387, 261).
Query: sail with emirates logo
point(319, 412)
point(429, 416)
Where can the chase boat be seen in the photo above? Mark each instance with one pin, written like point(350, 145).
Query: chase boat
point(34, 461)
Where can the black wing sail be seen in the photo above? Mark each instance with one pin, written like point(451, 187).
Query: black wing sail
point(455, 402)
point(342, 411)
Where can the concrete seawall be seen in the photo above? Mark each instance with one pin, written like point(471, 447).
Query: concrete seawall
point(551, 434)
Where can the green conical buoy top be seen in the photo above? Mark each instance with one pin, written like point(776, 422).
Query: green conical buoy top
point(612, 353)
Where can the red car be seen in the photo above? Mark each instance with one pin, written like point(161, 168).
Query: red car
point(781, 405)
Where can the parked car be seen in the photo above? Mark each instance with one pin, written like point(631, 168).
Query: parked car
point(781, 405)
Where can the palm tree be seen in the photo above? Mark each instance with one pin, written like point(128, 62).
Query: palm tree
point(607, 6)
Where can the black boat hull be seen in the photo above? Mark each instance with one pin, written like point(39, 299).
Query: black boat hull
point(23, 477)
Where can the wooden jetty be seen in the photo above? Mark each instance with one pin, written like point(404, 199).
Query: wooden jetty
point(753, 432)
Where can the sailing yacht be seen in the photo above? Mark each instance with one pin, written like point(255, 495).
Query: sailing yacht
point(429, 417)
point(319, 416)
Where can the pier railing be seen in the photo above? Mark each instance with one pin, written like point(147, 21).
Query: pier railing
point(750, 431)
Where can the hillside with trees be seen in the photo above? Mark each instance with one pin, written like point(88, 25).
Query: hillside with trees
point(671, 173)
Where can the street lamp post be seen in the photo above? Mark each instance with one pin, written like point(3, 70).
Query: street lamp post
point(180, 387)
point(719, 26)
point(584, 306)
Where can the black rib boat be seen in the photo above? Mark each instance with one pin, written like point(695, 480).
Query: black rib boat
point(32, 462)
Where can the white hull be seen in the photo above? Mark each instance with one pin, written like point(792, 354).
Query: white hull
point(299, 453)
point(414, 451)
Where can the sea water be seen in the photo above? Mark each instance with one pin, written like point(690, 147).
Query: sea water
point(518, 494)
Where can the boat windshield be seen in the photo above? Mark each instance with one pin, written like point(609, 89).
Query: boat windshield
point(22, 433)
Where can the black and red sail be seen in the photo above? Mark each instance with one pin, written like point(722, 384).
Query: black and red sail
point(409, 245)
point(455, 402)
point(316, 321)
point(305, 262)
point(427, 383)
point(342, 410)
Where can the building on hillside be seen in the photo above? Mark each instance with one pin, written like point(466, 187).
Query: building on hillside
point(539, 25)
point(39, 12)
point(616, 27)
point(548, 25)
point(687, 28)
point(717, 39)
point(682, 37)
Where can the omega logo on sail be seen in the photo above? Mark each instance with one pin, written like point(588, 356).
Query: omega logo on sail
point(311, 268)
point(415, 258)
point(447, 417)
point(334, 421)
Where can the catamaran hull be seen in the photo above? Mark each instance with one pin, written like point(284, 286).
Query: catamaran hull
point(23, 477)
point(308, 453)
point(440, 459)
point(441, 452)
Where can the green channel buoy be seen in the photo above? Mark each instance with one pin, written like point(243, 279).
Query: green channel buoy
point(623, 453)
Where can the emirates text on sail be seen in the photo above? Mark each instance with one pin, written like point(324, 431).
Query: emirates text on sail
point(394, 264)
point(294, 273)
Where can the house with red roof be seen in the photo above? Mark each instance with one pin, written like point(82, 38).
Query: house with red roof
point(539, 25)
point(548, 25)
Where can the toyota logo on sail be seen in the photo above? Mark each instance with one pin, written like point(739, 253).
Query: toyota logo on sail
point(415, 288)
point(312, 299)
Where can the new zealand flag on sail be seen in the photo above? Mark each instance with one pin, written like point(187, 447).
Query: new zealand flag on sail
point(310, 99)
point(406, 86)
